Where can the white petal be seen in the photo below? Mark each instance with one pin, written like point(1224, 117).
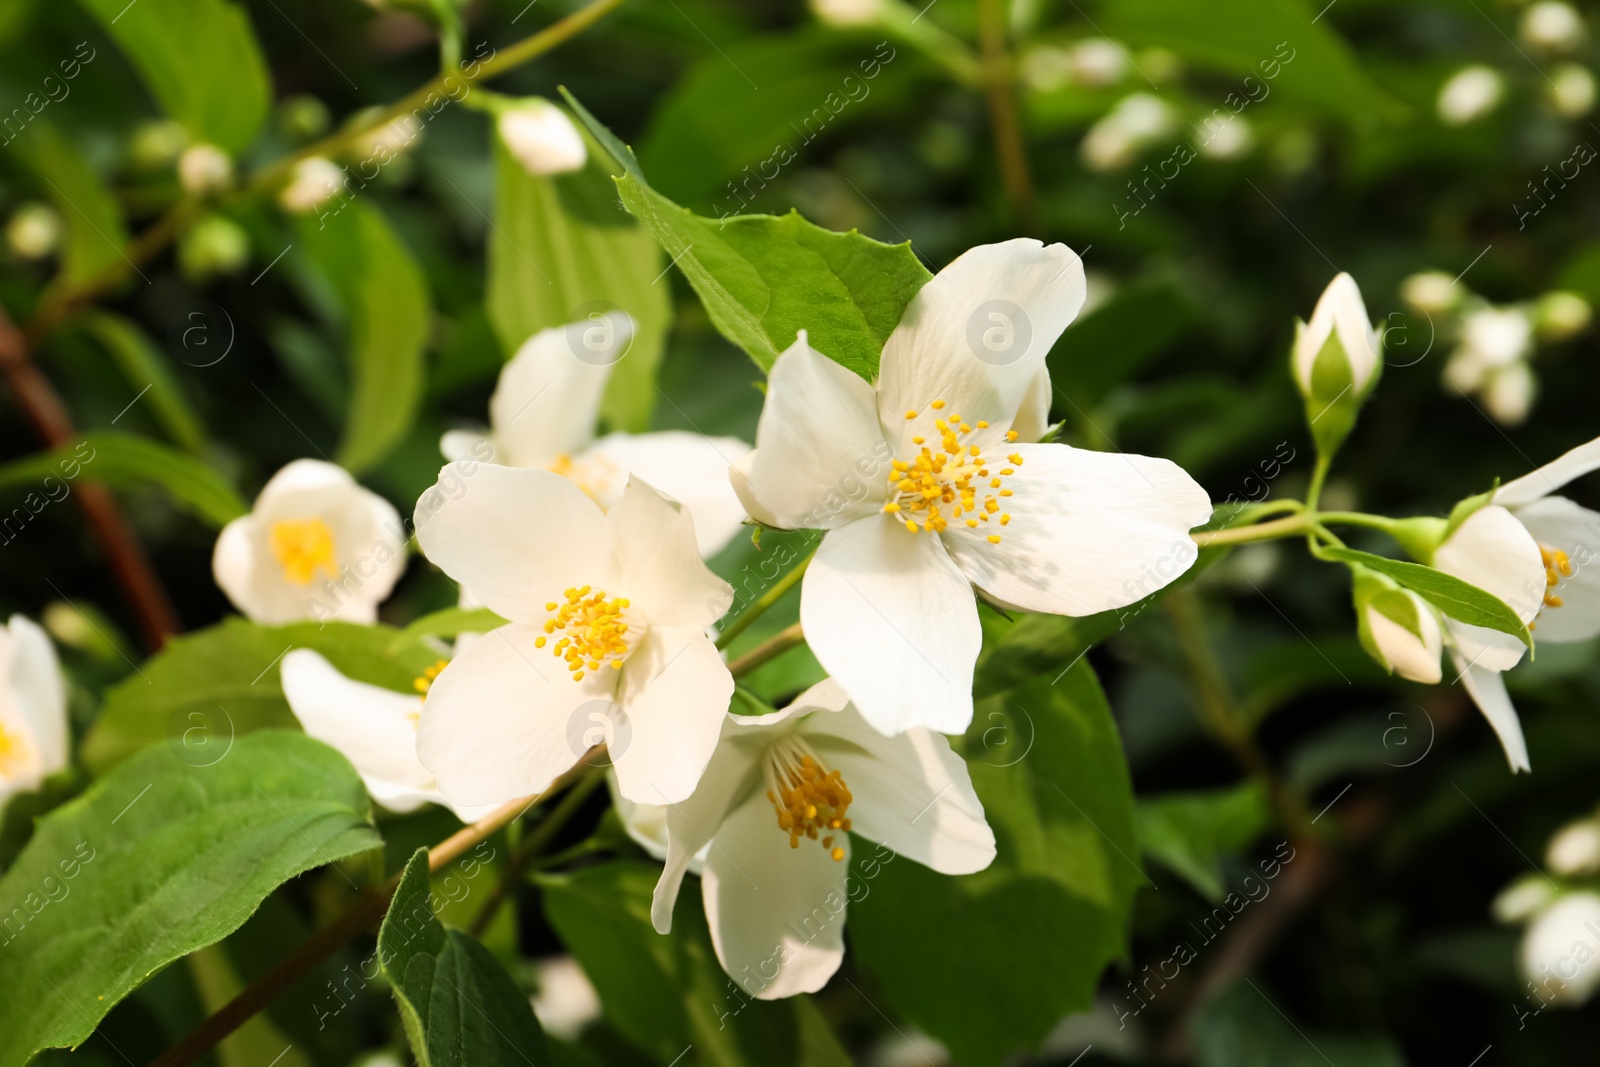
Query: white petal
point(1556, 522)
point(689, 468)
point(826, 695)
point(233, 565)
point(1495, 552)
point(1411, 656)
point(374, 728)
point(891, 617)
point(1550, 477)
point(732, 776)
point(512, 538)
point(548, 396)
point(820, 459)
point(776, 913)
point(1483, 647)
point(1089, 531)
point(39, 691)
point(912, 792)
point(675, 691)
point(976, 335)
point(466, 444)
point(304, 486)
point(505, 718)
point(1488, 690)
point(1340, 309)
point(645, 823)
point(1558, 949)
point(1033, 416)
point(657, 562)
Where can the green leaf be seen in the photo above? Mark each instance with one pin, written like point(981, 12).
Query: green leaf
point(124, 461)
point(764, 278)
point(145, 367)
point(1240, 1027)
point(1030, 935)
point(459, 1006)
point(1460, 600)
point(208, 687)
point(667, 993)
point(386, 300)
point(448, 623)
point(561, 249)
point(157, 859)
point(95, 232)
point(199, 59)
point(1190, 832)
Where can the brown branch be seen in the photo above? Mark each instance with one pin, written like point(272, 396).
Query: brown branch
point(53, 426)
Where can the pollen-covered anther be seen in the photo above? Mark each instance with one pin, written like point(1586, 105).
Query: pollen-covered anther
point(947, 482)
point(594, 630)
point(809, 800)
point(303, 547)
point(424, 681)
point(1557, 565)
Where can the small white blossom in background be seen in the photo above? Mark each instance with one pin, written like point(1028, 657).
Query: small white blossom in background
point(1432, 292)
point(1561, 315)
point(1522, 899)
point(204, 169)
point(1230, 140)
point(1574, 850)
point(541, 137)
point(846, 12)
point(33, 709)
point(1469, 95)
point(314, 546)
point(1553, 26)
point(1133, 125)
point(566, 1002)
point(34, 231)
point(1572, 90)
point(313, 182)
point(1096, 62)
point(1560, 951)
point(1491, 360)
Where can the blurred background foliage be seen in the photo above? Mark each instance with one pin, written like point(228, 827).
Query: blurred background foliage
point(1378, 137)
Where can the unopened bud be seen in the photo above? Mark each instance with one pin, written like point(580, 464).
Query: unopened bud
point(313, 182)
point(1574, 851)
point(34, 232)
point(542, 138)
point(204, 169)
point(1432, 292)
point(213, 246)
point(1470, 94)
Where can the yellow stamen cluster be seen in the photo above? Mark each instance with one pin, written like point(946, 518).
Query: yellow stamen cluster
point(303, 547)
point(934, 487)
point(594, 630)
point(14, 753)
point(809, 800)
point(1557, 565)
point(424, 681)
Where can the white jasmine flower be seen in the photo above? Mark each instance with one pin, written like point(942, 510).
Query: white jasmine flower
point(1553, 26)
point(1560, 951)
point(541, 137)
point(646, 824)
point(1509, 392)
point(372, 727)
point(1342, 314)
point(543, 412)
point(34, 232)
point(204, 169)
point(1499, 335)
point(1130, 127)
point(1408, 653)
point(33, 709)
point(1096, 62)
point(1230, 140)
point(315, 546)
point(777, 806)
point(606, 641)
point(928, 485)
point(313, 182)
point(566, 1002)
point(1470, 94)
point(1572, 90)
point(1574, 851)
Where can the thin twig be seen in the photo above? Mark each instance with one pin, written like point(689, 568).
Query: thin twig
point(1000, 92)
point(769, 598)
point(771, 648)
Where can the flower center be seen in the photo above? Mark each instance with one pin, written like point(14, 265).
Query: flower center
point(1557, 565)
point(808, 799)
point(302, 548)
point(593, 475)
point(593, 629)
point(15, 753)
point(955, 480)
point(424, 681)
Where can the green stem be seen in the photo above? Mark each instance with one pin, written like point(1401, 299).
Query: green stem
point(1319, 475)
point(767, 599)
point(1357, 518)
point(1290, 526)
point(770, 649)
point(536, 841)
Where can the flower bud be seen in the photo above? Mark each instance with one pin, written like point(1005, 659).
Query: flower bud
point(1432, 292)
point(313, 182)
point(155, 145)
point(1560, 315)
point(1560, 951)
point(542, 137)
point(1522, 899)
point(1574, 850)
point(847, 12)
point(34, 232)
point(1469, 95)
point(204, 169)
point(1552, 26)
point(1230, 140)
point(1335, 362)
point(1398, 629)
point(1500, 336)
point(1509, 393)
point(1122, 134)
point(213, 246)
point(302, 116)
point(1572, 90)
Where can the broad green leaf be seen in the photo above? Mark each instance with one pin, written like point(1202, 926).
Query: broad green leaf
point(124, 461)
point(199, 59)
point(208, 687)
point(1279, 44)
point(385, 300)
point(990, 962)
point(667, 993)
point(459, 1006)
point(448, 623)
point(145, 368)
point(1240, 1027)
point(159, 858)
point(1189, 833)
point(764, 278)
point(95, 233)
point(1460, 600)
point(561, 249)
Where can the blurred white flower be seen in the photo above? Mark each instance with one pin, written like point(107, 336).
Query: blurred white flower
point(1491, 360)
point(847, 12)
point(1560, 951)
point(1522, 899)
point(204, 169)
point(1096, 62)
point(1574, 850)
point(1499, 335)
point(1340, 314)
point(1559, 315)
point(566, 1001)
point(541, 137)
point(1572, 90)
point(1131, 126)
point(33, 709)
point(34, 232)
point(1553, 26)
point(1509, 393)
point(313, 182)
point(1228, 141)
point(1470, 94)
point(314, 546)
point(1432, 292)
point(543, 414)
